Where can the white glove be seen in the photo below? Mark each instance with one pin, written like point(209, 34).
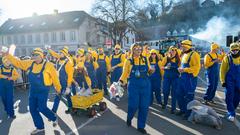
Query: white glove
point(67, 91)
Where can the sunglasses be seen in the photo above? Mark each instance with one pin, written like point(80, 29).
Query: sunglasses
point(137, 49)
point(153, 53)
point(35, 55)
point(117, 48)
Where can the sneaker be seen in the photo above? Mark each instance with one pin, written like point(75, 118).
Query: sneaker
point(142, 130)
point(55, 123)
point(36, 131)
point(179, 113)
point(129, 123)
point(12, 117)
point(68, 111)
point(117, 99)
point(231, 118)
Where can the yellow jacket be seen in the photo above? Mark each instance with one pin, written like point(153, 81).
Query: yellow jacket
point(117, 56)
point(208, 61)
point(15, 75)
point(225, 67)
point(56, 55)
point(107, 61)
point(195, 64)
point(49, 73)
point(127, 67)
point(69, 70)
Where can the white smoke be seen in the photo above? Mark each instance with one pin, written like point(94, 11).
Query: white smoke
point(217, 28)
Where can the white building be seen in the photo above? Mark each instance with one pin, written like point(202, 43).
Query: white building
point(74, 29)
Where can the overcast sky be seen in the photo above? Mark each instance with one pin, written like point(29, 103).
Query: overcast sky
point(25, 8)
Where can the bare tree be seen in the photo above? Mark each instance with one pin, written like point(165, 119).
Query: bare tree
point(119, 13)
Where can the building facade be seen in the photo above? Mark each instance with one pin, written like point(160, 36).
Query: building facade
point(73, 29)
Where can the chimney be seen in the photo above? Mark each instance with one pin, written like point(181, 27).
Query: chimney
point(55, 11)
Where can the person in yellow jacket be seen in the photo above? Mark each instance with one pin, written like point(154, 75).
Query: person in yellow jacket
point(156, 77)
point(104, 68)
point(136, 72)
point(170, 64)
point(65, 68)
point(189, 69)
point(211, 63)
point(8, 75)
point(229, 77)
point(117, 60)
point(146, 50)
point(41, 75)
point(80, 55)
point(81, 77)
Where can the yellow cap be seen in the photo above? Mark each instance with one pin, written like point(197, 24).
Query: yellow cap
point(172, 48)
point(187, 44)
point(80, 51)
point(214, 46)
point(117, 46)
point(154, 51)
point(90, 49)
point(64, 51)
point(133, 46)
point(38, 51)
point(4, 60)
point(234, 46)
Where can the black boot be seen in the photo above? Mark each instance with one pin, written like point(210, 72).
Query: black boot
point(129, 123)
point(142, 130)
point(68, 111)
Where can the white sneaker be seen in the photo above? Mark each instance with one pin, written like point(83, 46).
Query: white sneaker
point(36, 131)
point(231, 118)
point(118, 99)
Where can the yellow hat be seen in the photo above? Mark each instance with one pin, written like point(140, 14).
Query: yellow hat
point(64, 51)
point(4, 60)
point(90, 49)
point(154, 51)
point(133, 46)
point(38, 51)
point(234, 46)
point(214, 46)
point(172, 48)
point(117, 46)
point(187, 44)
point(80, 51)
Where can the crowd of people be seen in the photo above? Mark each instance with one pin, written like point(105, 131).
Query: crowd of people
point(145, 71)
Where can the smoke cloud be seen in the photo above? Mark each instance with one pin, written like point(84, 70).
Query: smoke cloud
point(217, 28)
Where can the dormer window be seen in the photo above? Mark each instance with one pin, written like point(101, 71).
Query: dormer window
point(43, 23)
point(76, 19)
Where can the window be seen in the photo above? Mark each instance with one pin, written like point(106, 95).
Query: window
point(87, 36)
point(60, 21)
point(54, 37)
point(24, 51)
point(76, 19)
point(21, 26)
point(73, 36)
point(11, 27)
point(30, 39)
point(127, 38)
point(9, 40)
point(22, 41)
point(46, 38)
point(43, 23)
point(38, 38)
point(98, 38)
point(133, 40)
point(15, 38)
point(62, 36)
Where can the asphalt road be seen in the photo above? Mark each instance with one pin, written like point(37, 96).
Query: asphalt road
point(112, 120)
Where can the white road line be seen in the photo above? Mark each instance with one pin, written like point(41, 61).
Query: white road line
point(75, 131)
point(236, 122)
point(123, 115)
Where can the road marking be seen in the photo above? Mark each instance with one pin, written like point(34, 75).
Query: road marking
point(75, 131)
point(236, 122)
point(123, 115)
